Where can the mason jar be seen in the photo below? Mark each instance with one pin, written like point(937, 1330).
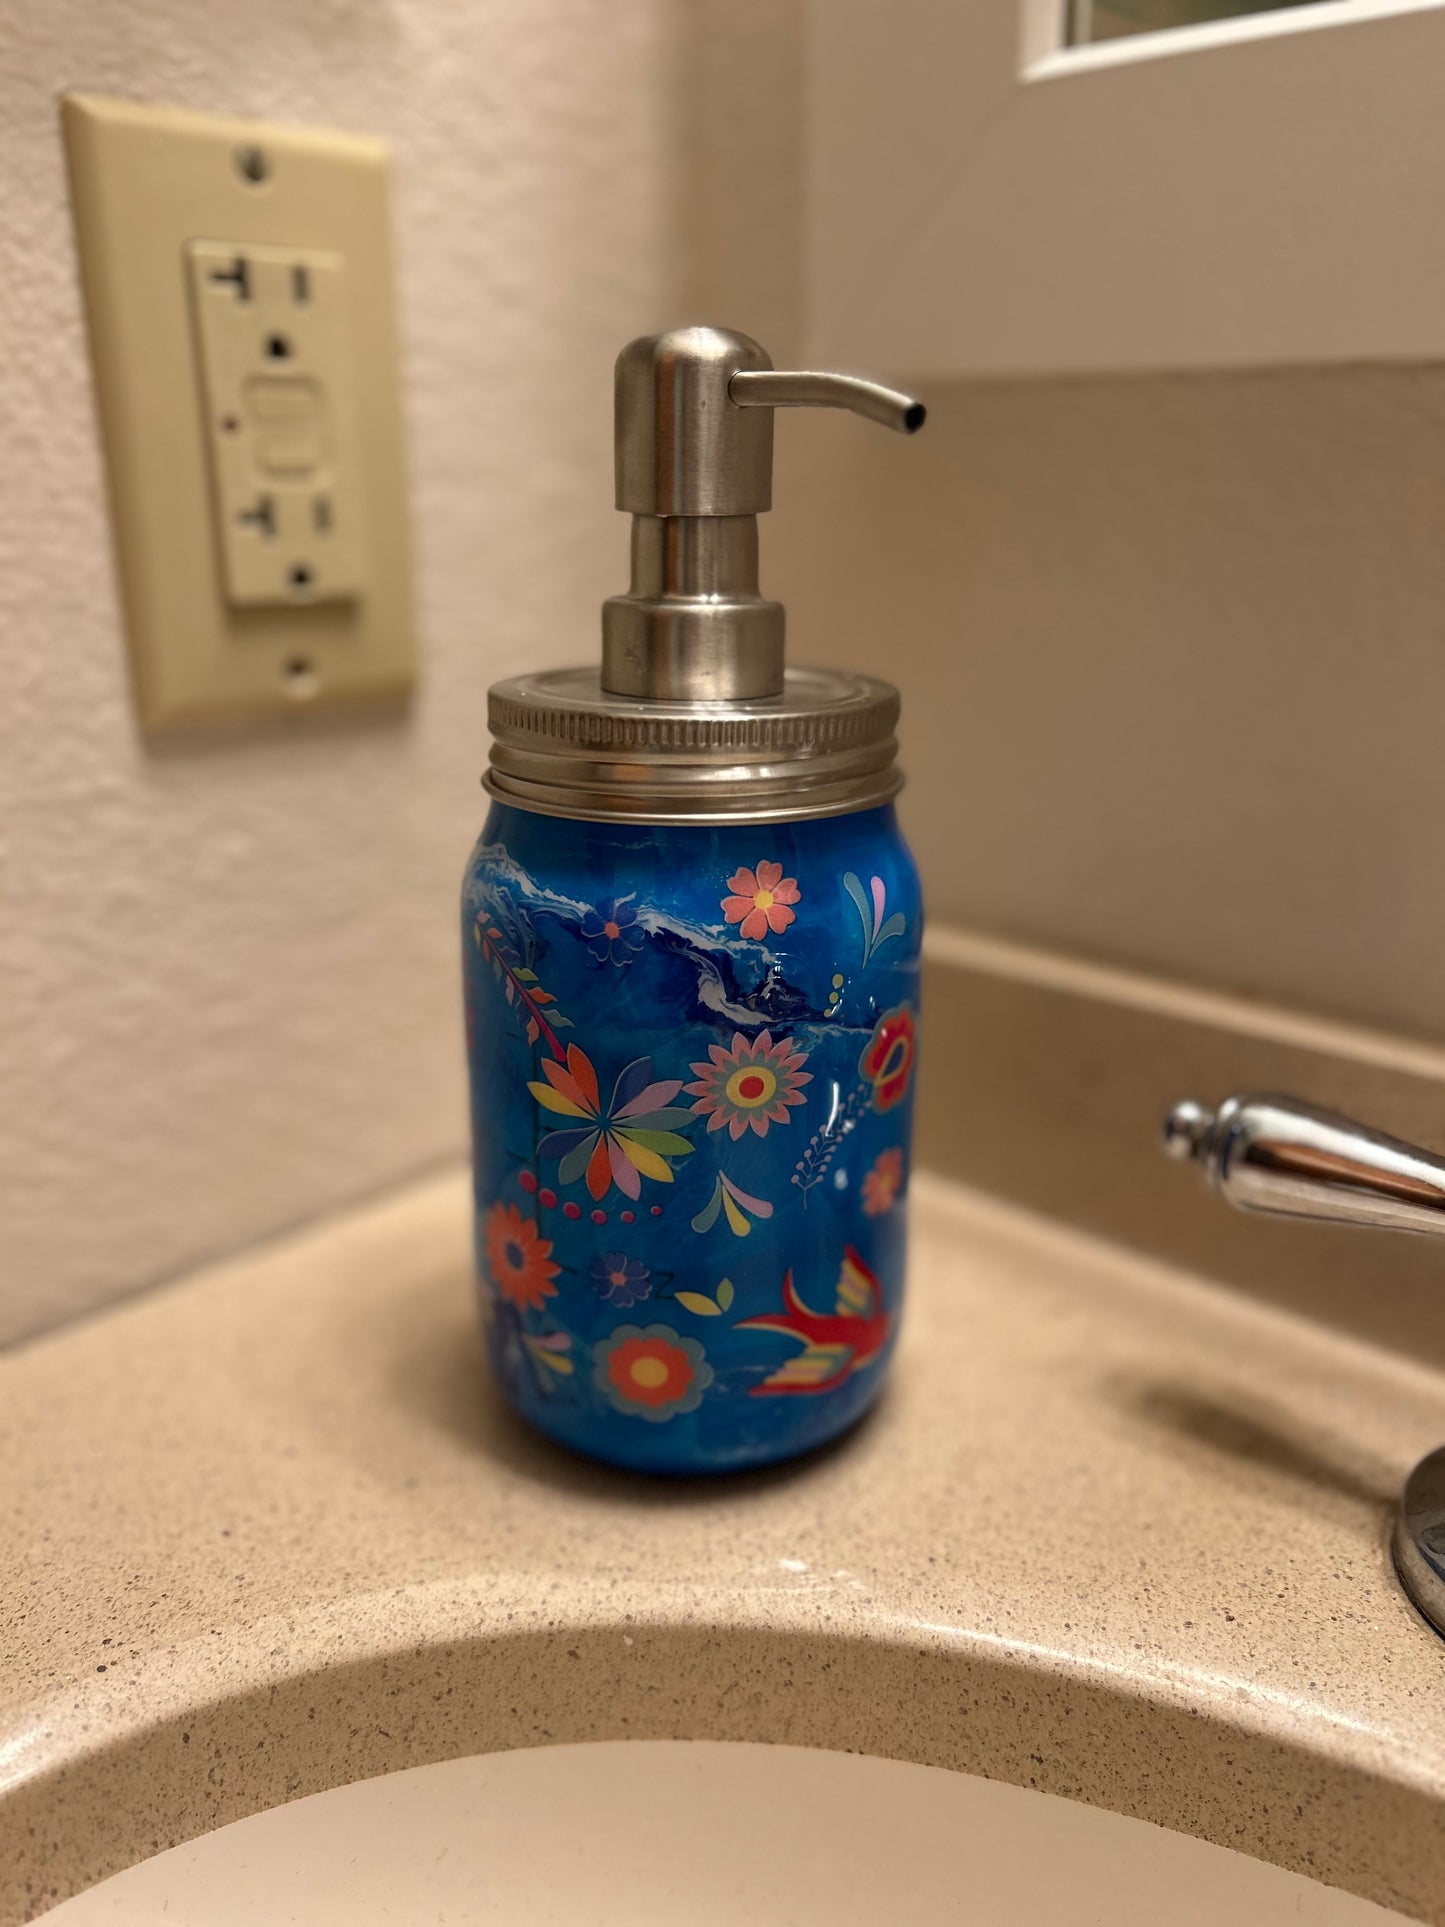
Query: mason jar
point(692, 1054)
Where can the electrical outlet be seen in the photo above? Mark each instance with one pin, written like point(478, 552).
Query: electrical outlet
point(248, 396)
point(280, 407)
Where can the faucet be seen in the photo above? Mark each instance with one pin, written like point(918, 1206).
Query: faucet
point(1285, 1158)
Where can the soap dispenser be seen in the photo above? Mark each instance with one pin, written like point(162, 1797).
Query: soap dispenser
point(691, 934)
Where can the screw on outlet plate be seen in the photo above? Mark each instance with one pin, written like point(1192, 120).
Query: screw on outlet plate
point(300, 680)
point(253, 165)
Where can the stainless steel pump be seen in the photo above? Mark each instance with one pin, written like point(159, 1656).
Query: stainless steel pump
point(694, 442)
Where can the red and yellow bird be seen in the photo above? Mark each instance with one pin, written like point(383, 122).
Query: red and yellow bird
point(834, 1346)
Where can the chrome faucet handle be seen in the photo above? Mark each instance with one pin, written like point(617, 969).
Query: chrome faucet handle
point(1280, 1156)
point(1290, 1159)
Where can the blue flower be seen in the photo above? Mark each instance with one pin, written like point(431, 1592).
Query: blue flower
point(610, 930)
point(620, 1280)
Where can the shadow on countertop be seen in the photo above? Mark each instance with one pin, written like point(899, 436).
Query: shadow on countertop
point(1266, 1439)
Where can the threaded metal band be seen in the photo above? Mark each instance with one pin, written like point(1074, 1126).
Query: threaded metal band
point(564, 748)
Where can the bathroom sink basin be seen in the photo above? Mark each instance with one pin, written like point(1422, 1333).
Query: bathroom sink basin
point(296, 1608)
point(644, 1832)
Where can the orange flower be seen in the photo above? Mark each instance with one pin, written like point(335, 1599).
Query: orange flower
point(882, 1184)
point(760, 900)
point(887, 1062)
point(650, 1372)
point(518, 1259)
point(646, 1371)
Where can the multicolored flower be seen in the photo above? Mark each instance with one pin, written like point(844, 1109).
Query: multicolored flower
point(883, 1182)
point(650, 1372)
point(761, 900)
point(620, 1280)
point(750, 1086)
point(518, 1258)
point(632, 1139)
point(610, 931)
point(887, 1062)
point(741, 1208)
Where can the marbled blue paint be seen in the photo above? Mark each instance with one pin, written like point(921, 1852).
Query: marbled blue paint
point(675, 979)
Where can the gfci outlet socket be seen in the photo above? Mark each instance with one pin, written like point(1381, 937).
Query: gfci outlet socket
point(238, 288)
point(280, 418)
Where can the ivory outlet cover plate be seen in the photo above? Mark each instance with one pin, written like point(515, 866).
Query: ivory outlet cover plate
point(238, 287)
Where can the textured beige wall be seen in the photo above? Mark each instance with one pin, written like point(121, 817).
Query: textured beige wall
point(1173, 660)
point(1173, 651)
point(228, 986)
point(228, 969)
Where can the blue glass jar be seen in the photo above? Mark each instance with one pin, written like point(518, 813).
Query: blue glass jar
point(692, 1053)
point(691, 931)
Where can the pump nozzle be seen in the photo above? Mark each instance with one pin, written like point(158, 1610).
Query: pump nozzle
point(695, 469)
point(785, 388)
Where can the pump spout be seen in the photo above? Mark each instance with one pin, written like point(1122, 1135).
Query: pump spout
point(788, 388)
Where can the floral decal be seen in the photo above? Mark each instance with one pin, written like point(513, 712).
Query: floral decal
point(870, 906)
point(611, 931)
point(629, 1141)
point(650, 1372)
point(883, 1182)
point(741, 1208)
point(518, 1258)
point(546, 1352)
point(761, 900)
point(835, 1344)
point(828, 1140)
point(702, 1305)
point(620, 1280)
point(750, 1086)
point(548, 1349)
point(887, 1062)
point(519, 985)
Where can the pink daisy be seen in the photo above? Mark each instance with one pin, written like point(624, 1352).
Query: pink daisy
point(761, 900)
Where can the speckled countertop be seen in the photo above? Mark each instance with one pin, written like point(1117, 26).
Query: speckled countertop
point(1112, 1533)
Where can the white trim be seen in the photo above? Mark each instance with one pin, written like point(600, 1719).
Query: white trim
point(1058, 60)
point(1043, 32)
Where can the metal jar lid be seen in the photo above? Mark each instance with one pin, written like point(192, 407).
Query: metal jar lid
point(562, 746)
